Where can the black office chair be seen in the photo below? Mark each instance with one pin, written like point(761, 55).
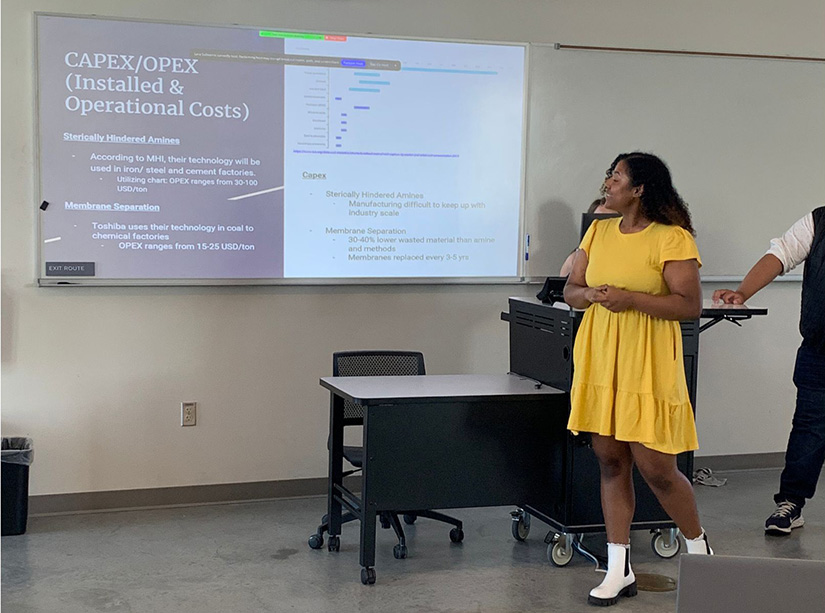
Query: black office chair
point(368, 364)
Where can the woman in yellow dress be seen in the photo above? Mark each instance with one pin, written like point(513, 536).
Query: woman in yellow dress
point(638, 276)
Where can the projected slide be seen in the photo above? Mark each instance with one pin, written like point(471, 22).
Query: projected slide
point(193, 152)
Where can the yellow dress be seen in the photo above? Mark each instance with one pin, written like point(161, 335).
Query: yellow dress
point(629, 377)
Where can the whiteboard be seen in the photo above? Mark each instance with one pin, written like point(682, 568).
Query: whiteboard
point(744, 139)
point(182, 153)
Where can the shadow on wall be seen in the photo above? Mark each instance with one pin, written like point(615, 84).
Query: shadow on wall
point(6, 322)
point(554, 236)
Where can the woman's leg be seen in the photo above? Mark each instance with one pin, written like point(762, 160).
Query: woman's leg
point(618, 504)
point(671, 487)
point(618, 497)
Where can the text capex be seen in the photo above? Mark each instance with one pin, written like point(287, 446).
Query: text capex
point(117, 61)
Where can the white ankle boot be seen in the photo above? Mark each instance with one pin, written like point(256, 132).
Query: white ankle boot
point(699, 545)
point(620, 580)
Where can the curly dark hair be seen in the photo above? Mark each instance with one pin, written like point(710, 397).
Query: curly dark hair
point(660, 200)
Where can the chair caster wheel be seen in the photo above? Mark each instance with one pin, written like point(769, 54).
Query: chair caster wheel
point(367, 576)
point(520, 525)
point(456, 535)
point(399, 552)
point(409, 518)
point(334, 543)
point(316, 541)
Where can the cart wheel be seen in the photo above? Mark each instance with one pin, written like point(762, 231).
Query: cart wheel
point(456, 535)
point(399, 552)
point(316, 541)
point(558, 554)
point(334, 543)
point(409, 518)
point(662, 548)
point(367, 575)
point(521, 526)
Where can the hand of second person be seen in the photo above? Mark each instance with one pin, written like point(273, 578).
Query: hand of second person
point(614, 299)
point(728, 296)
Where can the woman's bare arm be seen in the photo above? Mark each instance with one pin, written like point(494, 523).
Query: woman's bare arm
point(576, 291)
point(683, 302)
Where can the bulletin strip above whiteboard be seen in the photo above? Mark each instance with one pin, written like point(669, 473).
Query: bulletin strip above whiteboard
point(744, 138)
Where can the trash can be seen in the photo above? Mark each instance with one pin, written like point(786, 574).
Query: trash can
point(17, 454)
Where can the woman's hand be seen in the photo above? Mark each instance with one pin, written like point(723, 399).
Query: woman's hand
point(728, 296)
point(613, 298)
point(594, 294)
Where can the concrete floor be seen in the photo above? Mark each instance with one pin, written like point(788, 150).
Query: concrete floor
point(253, 557)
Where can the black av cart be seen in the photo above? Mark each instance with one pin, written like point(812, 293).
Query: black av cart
point(541, 348)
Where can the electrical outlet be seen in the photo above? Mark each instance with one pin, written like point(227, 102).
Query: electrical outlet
point(188, 413)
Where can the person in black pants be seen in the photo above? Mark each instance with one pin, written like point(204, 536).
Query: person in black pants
point(803, 242)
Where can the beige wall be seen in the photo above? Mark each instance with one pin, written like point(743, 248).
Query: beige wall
point(96, 375)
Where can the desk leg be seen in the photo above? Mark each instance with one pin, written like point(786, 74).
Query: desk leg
point(336, 467)
point(367, 536)
point(368, 509)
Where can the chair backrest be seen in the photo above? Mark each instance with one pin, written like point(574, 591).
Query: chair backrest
point(729, 584)
point(373, 364)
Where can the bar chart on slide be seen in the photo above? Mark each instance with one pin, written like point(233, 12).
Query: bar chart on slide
point(335, 106)
point(347, 111)
point(314, 130)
